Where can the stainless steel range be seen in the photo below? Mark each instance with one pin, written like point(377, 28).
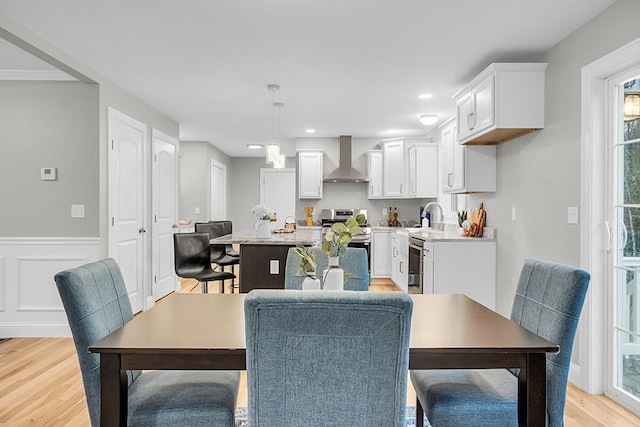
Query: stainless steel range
point(360, 240)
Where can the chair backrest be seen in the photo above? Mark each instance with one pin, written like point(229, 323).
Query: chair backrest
point(548, 301)
point(327, 357)
point(95, 299)
point(191, 253)
point(354, 261)
point(214, 229)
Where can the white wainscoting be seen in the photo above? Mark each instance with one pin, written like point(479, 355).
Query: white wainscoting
point(29, 302)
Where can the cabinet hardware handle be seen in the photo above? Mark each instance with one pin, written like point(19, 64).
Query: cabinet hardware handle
point(141, 230)
point(449, 175)
point(469, 121)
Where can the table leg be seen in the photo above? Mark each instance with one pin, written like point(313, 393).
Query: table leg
point(532, 391)
point(113, 391)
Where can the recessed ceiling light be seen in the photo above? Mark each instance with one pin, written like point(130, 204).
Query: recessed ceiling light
point(254, 146)
point(310, 130)
point(428, 119)
point(425, 96)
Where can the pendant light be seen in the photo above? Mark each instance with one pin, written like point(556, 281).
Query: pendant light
point(279, 161)
point(273, 148)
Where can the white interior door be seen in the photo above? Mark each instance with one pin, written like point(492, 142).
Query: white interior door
point(127, 197)
point(218, 191)
point(165, 213)
point(278, 193)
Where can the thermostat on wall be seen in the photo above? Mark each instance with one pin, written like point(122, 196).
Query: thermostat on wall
point(48, 174)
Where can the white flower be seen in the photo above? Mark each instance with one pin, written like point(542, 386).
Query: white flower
point(261, 212)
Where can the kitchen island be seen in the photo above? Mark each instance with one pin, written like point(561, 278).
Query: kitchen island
point(262, 261)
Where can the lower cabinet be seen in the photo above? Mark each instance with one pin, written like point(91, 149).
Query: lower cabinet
point(400, 259)
point(380, 253)
point(461, 267)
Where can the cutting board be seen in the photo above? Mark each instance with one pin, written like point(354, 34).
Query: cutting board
point(478, 219)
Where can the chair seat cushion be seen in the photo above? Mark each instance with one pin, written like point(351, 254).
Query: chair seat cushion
point(175, 398)
point(468, 397)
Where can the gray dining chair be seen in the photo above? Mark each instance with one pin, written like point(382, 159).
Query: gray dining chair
point(96, 302)
point(327, 358)
point(355, 262)
point(548, 302)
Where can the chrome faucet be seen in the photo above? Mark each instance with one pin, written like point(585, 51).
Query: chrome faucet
point(436, 223)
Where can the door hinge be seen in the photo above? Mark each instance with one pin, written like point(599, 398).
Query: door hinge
point(113, 221)
point(112, 144)
point(155, 279)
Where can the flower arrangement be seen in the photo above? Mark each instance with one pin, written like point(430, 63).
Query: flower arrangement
point(308, 264)
point(338, 237)
point(261, 212)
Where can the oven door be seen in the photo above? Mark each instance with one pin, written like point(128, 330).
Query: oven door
point(415, 269)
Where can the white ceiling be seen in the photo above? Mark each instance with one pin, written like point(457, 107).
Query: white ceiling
point(349, 67)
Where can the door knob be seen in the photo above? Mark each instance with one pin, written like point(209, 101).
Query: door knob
point(142, 230)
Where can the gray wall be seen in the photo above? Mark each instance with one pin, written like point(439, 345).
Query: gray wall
point(48, 124)
point(195, 178)
point(243, 181)
point(539, 174)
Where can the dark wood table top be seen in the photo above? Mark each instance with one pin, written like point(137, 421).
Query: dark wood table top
point(214, 324)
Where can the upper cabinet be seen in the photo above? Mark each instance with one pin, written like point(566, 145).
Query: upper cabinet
point(394, 170)
point(423, 170)
point(503, 102)
point(310, 174)
point(409, 169)
point(466, 169)
point(374, 160)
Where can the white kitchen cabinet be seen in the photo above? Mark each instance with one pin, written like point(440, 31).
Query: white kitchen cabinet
point(381, 253)
point(423, 170)
point(503, 102)
point(465, 168)
point(310, 174)
point(394, 169)
point(375, 173)
point(400, 259)
point(461, 267)
point(409, 169)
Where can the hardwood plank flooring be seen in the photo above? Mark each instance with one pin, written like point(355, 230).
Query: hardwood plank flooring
point(41, 385)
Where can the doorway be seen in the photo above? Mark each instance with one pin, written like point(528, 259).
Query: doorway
point(218, 191)
point(610, 330)
point(278, 193)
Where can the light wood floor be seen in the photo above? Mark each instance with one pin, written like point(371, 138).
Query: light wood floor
point(40, 385)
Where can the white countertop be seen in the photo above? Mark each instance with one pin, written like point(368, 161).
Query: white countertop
point(303, 236)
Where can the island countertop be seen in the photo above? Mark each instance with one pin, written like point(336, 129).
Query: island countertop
point(304, 236)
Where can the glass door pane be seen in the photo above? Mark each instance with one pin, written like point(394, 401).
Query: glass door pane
point(626, 222)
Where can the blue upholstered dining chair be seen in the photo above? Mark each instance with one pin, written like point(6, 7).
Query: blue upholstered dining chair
point(548, 301)
point(327, 358)
point(96, 302)
point(354, 261)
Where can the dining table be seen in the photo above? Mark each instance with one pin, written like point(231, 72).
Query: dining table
point(206, 331)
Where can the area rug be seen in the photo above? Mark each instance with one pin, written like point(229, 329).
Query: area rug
point(241, 417)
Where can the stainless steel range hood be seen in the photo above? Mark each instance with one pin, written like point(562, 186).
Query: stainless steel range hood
point(345, 172)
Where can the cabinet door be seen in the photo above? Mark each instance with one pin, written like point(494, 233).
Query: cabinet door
point(381, 254)
point(425, 171)
point(483, 96)
point(464, 116)
point(375, 174)
point(475, 110)
point(310, 175)
point(453, 161)
point(394, 171)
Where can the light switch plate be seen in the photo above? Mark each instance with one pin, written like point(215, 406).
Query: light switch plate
point(274, 266)
point(572, 215)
